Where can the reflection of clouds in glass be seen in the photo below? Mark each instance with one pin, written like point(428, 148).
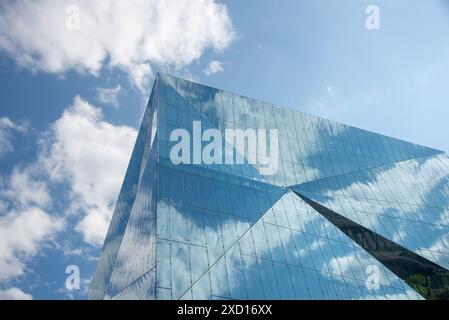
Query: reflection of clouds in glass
point(413, 175)
point(217, 230)
point(407, 202)
point(444, 217)
point(356, 262)
point(232, 278)
point(440, 244)
point(342, 263)
point(315, 245)
point(141, 289)
point(136, 255)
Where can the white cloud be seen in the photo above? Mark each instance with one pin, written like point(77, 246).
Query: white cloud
point(129, 35)
point(213, 67)
point(14, 294)
point(21, 234)
point(91, 155)
point(7, 127)
point(24, 225)
point(23, 189)
point(109, 95)
point(95, 223)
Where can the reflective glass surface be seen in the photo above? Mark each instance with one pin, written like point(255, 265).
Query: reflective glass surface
point(222, 230)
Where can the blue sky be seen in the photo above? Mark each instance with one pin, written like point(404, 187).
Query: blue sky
point(71, 100)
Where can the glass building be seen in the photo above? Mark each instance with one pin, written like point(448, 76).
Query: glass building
point(347, 214)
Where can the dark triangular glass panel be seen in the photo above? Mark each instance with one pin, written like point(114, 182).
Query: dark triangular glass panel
point(405, 202)
point(427, 278)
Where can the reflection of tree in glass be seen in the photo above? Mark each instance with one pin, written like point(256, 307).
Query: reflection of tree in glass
point(430, 287)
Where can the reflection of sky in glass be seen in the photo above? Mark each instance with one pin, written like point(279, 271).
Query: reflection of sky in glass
point(304, 258)
point(405, 202)
point(131, 231)
point(226, 232)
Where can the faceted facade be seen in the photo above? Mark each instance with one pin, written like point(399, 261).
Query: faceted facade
point(349, 214)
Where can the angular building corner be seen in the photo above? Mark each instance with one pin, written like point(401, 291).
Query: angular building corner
point(347, 214)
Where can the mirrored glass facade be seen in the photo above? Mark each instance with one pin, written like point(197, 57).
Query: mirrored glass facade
point(348, 214)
